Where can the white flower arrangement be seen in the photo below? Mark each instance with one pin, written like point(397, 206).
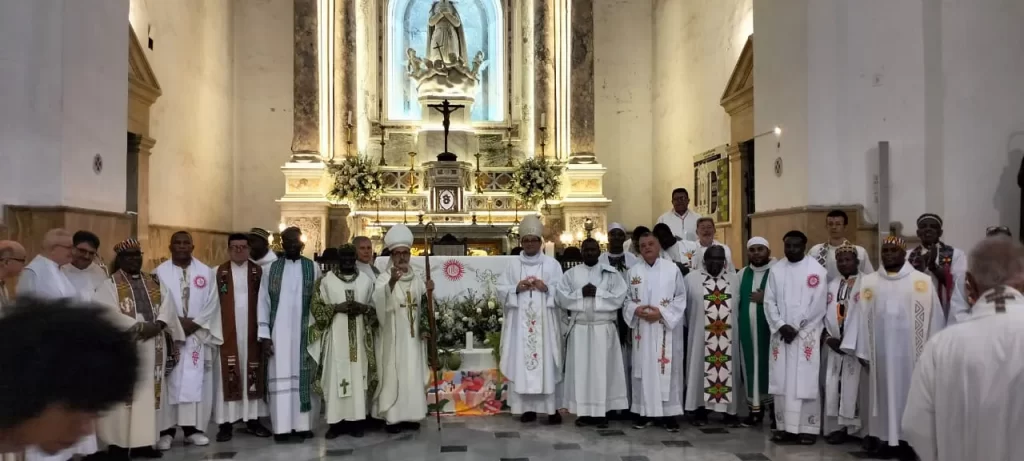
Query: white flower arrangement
point(536, 180)
point(356, 178)
point(480, 314)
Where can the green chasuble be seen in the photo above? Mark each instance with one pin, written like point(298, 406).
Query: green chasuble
point(747, 336)
point(307, 364)
point(323, 317)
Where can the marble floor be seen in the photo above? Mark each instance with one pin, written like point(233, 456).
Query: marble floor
point(504, 438)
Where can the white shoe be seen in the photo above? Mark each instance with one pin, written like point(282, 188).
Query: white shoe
point(198, 439)
point(164, 443)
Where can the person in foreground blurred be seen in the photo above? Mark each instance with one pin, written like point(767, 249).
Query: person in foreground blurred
point(964, 401)
point(63, 364)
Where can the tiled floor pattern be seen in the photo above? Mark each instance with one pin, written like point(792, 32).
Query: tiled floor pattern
point(504, 438)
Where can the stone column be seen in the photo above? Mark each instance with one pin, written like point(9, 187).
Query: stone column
point(544, 78)
point(142, 218)
point(345, 77)
point(306, 112)
point(581, 105)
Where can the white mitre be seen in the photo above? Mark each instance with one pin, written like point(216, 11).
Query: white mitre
point(399, 236)
point(531, 225)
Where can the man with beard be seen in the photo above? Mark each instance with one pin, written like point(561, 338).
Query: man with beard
point(141, 306)
point(286, 293)
point(753, 331)
point(189, 391)
point(795, 306)
point(364, 257)
point(713, 343)
point(842, 369)
point(342, 344)
point(531, 337)
point(946, 265)
point(399, 296)
point(259, 249)
point(825, 253)
point(84, 272)
point(899, 310)
point(705, 239)
point(595, 379)
point(238, 368)
point(655, 310)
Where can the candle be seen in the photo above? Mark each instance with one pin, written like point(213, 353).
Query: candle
point(348, 119)
point(543, 120)
point(549, 249)
point(469, 340)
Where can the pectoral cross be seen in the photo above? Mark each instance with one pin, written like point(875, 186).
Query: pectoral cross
point(409, 310)
point(344, 386)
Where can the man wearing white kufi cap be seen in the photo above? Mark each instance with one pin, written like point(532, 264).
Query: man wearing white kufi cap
point(753, 330)
point(531, 350)
point(399, 296)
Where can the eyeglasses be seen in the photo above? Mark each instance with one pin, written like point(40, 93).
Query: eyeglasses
point(239, 248)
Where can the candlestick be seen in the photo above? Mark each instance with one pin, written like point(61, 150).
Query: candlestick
point(469, 340)
point(543, 120)
point(348, 119)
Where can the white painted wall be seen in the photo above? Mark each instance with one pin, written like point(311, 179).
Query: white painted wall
point(192, 166)
point(63, 83)
point(263, 52)
point(623, 120)
point(696, 45)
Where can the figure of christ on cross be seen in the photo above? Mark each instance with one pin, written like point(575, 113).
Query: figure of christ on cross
point(446, 108)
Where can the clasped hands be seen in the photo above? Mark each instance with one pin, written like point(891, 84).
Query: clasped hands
point(531, 285)
point(649, 313)
point(589, 290)
point(352, 307)
point(147, 330)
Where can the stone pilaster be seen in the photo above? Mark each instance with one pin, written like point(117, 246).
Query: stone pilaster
point(304, 204)
point(345, 78)
point(306, 111)
point(544, 78)
point(581, 91)
point(141, 225)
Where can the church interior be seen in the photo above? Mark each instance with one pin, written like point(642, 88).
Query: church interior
point(145, 117)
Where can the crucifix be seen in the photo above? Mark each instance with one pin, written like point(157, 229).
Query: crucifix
point(439, 53)
point(446, 108)
point(344, 386)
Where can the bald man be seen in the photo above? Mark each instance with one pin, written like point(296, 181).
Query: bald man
point(12, 262)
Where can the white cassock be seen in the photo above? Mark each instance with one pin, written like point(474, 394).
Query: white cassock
point(284, 369)
point(658, 347)
point(85, 281)
point(712, 366)
point(628, 261)
point(796, 296)
point(843, 402)
point(135, 425)
point(531, 337)
point(825, 254)
point(244, 409)
point(42, 278)
point(402, 355)
point(897, 314)
point(681, 225)
point(965, 401)
point(595, 377)
point(189, 391)
point(341, 350)
point(697, 260)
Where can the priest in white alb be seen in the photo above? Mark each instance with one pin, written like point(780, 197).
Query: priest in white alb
point(842, 370)
point(399, 297)
point(286, 293)
point(140, 305)
point(705, 239)
point(595, 378)
point(239, 371)
point(531, 336)
point(85, 271)
point(189, 392)
point(712, 370)
point(622, 260)
point(899, 310)
point(836, 222)
point(794, 304)
point(655, 310)
point(342, 344)
point(965, 401)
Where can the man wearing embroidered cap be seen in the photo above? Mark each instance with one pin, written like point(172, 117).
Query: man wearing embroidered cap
point(189, 391)
point(946, 265)
point(898, 311)
point(622, 260)
point(842, 370)
point(531, 338)
point(753, 331)
point(399, 296)
point(138, 303)
point(825, 253)
point(259, 248)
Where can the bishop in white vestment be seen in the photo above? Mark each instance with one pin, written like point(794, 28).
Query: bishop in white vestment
point(842, 370)
point(398, 297)
point(531, 336)
point(712, 374)
point(342, 344)
point(189, 391)
point(899, 310)
point(795, 307)
point(595, 378)
point(138, 304)
point(286, 293)
point(655, 310)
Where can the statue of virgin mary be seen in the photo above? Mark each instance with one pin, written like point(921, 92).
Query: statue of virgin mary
point(446, 40)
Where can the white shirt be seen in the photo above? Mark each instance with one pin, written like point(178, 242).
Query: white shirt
point(683, 225)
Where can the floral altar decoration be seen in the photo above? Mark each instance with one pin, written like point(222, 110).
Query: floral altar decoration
point(536, 180)
point(356, 179)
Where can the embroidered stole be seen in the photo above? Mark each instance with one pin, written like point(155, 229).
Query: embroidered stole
point(718, 336)
point(747, 333)
point(126, 303)
point(843, 373)
point(920, 312)
point(306, 362)
point(654, 293)
point(322, 310)
point(944, 260)
point(230, 368)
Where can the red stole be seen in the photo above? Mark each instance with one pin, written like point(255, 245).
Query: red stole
point(230, 375)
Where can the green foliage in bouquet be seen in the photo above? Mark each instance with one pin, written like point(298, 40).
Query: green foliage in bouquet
point(474, 312)
point(536, 180)
point(356, 179)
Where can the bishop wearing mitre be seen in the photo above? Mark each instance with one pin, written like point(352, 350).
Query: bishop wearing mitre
point(398, 296)
point(341, 341)
point(531, 350)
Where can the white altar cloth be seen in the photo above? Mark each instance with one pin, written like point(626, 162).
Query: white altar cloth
point(457, 275)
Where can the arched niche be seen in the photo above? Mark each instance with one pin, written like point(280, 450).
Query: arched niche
point(405, 24)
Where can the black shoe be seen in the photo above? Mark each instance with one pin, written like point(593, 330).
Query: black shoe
point(582, 421)
point(225, 432)
point(116, 453)
point(754, 419)
point(731, 421)
point(304, 434)
point(670, 424)
point(410, 426)
point(554, 419)
point(642, 422)
point(393, 428)
point(699, 418)
point(836, 438)
point(146, 452)
point(356, 430)
point(256, 429)
point(807, 439)
point(282, 438)
point(528, 417)
point(871, 444)
point(336, 430)
point(601, 423)
point(783, 438)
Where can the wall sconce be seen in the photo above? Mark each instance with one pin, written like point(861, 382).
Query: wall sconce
point(777, 131)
